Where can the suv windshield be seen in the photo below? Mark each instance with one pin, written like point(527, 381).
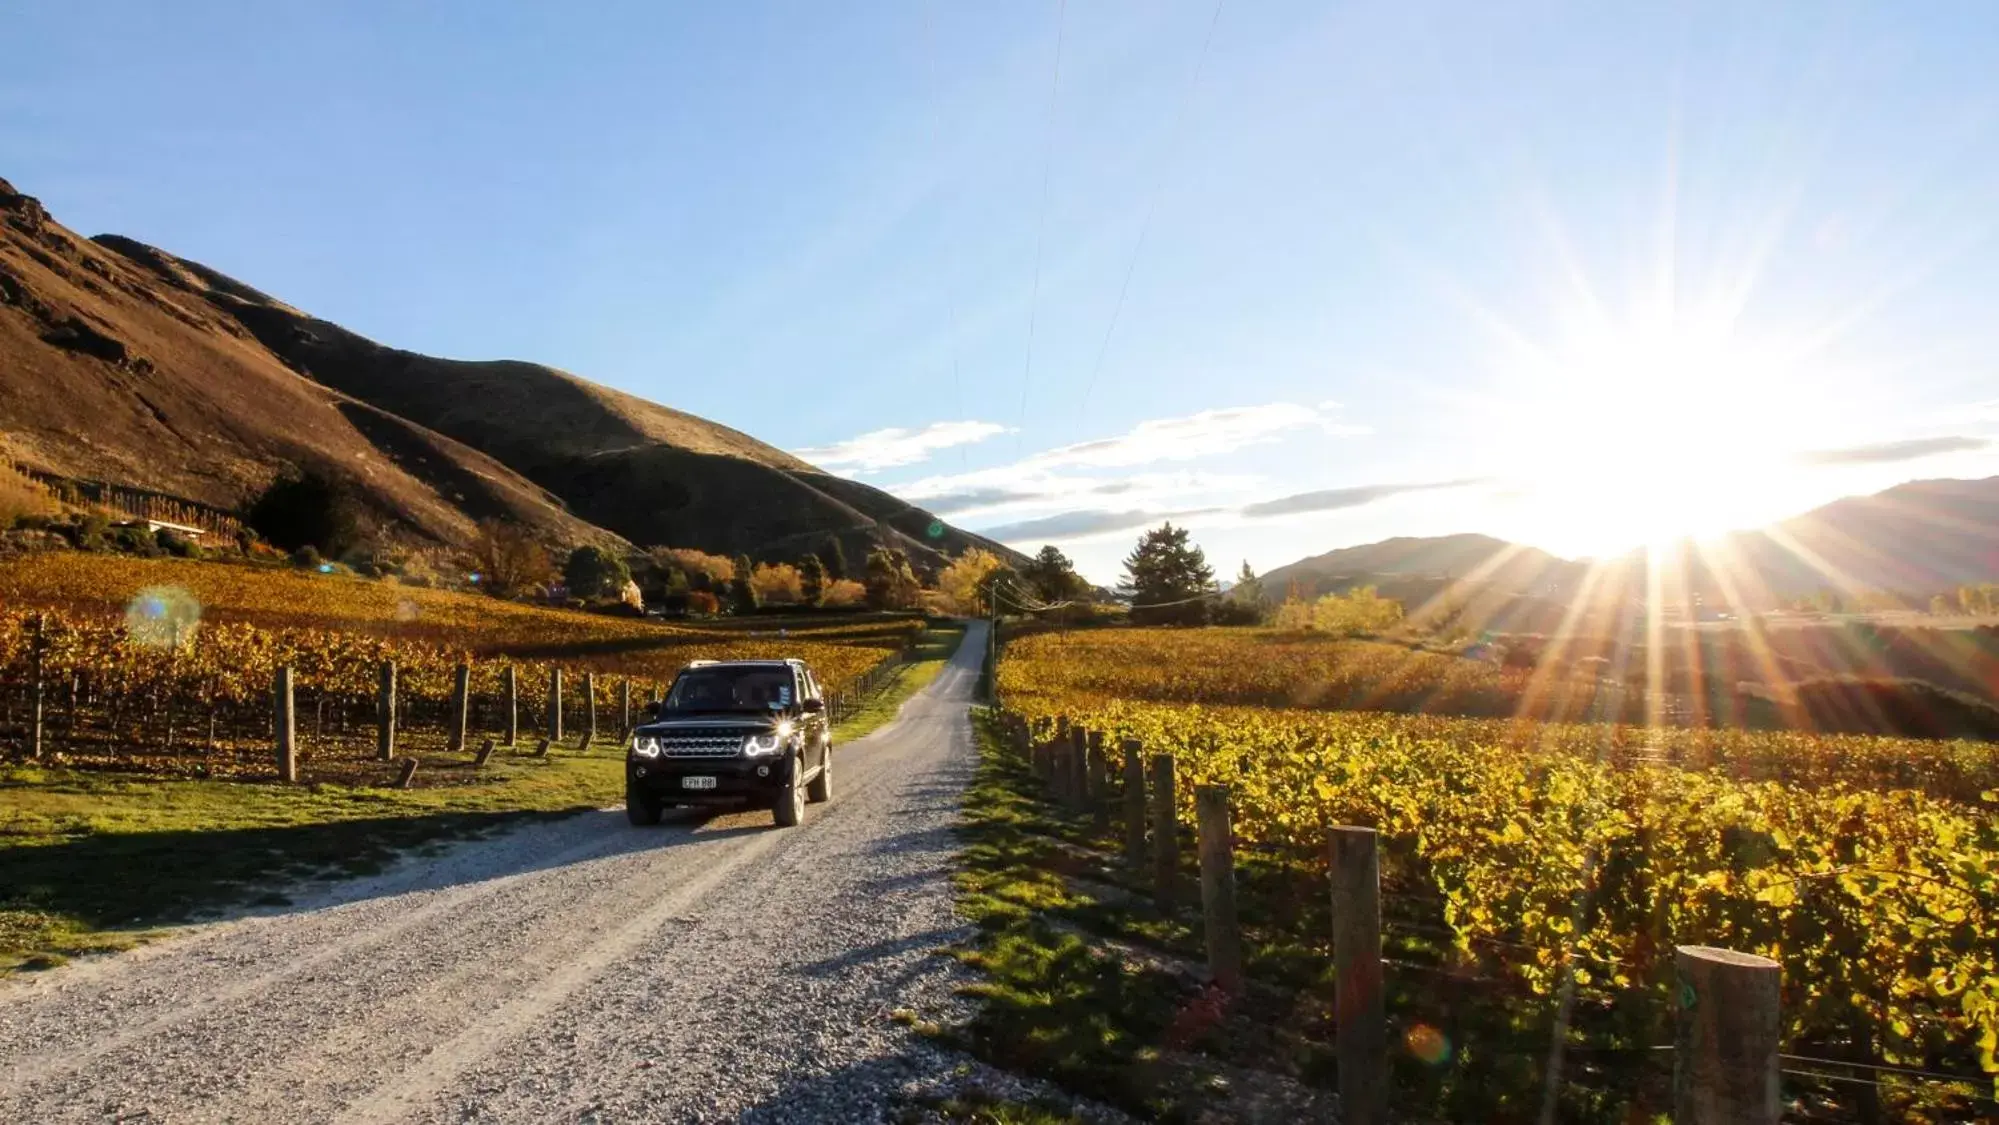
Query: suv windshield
point(732, 689)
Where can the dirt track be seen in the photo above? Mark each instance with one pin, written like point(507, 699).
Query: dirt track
point(581, 970)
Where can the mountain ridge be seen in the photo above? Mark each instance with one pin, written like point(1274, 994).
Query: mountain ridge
point(125, 363)
point(1944, 532)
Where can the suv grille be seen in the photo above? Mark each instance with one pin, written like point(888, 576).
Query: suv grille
point(701, 745)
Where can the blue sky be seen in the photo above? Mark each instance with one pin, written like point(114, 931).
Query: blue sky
point(1305, 275)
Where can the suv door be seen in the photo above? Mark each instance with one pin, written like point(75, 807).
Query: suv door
point(817, 734)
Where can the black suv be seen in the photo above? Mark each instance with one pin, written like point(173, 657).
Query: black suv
point(733, 732)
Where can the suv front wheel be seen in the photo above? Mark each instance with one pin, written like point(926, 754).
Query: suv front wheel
point(789, 810)
point(640, 809)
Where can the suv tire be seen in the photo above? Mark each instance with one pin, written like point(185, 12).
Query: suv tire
point(640, 809)
point(821, 789)
point(789, 808)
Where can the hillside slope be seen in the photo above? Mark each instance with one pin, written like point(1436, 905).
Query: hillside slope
point(126, 364)
point(112, 372)
point(1918, 538)
point(646, 472)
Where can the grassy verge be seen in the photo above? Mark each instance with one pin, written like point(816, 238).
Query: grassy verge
point(90, 861)
point(928, 654)
point(1087, 985)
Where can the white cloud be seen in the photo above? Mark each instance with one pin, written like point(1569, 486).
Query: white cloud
point(1195, 435)
point(896, 446)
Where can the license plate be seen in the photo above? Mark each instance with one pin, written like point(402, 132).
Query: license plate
point(697, 783)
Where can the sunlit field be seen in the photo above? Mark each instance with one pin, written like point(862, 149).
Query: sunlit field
point(1568, 859)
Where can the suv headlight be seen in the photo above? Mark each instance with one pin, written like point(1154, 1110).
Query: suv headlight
point(762, 745)
point(645, 747)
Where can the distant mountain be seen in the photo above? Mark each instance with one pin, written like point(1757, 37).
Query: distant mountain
point(125, 364)
point(1917, 539)
point(1407, 560)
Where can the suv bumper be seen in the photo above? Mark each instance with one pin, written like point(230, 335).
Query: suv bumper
point(736, 779)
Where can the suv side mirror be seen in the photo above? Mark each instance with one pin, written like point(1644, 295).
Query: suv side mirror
point(812, 706)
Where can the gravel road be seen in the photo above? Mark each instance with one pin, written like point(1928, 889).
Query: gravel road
point(578, 970)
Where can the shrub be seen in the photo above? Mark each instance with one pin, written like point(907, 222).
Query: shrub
point(178, 545)
point(308, 509)
point(307, 558)
point(845, 593)
point(21, 498)
point(701, 601)
point(593, 572)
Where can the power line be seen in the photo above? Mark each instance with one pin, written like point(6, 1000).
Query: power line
point(1152, 203)
point(1041, 224)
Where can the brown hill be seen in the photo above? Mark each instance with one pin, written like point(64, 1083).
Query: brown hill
point(126, 364)
point(1916, 539)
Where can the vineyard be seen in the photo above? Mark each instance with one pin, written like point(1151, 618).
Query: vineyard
point(178, 678)
point(1538, 876)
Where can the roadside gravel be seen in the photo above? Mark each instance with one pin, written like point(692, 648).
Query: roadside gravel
point(580, 970)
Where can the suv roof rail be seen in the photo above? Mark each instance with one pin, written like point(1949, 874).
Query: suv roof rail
point(701, 663)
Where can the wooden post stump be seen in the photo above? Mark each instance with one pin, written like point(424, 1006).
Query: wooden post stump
point(407, 778)
point(1361, 1038)
point(1134, 804)
point(1165, 836)
point(541, 750)
point(287, 728)
point(1725, 1037)
point(1218, 911)
point(485, 753)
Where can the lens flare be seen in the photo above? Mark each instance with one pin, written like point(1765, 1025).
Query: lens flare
point(162, 617)
point(406, 610)
point(1428, 1044)
point(935, 530)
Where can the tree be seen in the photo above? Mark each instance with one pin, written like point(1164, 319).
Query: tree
point(964, 582)
point(1052, 577)
point(777, 583)
point(508, 559)
point(836, 559)
point(891, 582)
point(812, 580)
point(1244, 604)
point(308, 509)
point(592, 572)
point(743, 595)
point(1165, 577)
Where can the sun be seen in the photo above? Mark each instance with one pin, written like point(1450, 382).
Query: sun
point(1628, 436)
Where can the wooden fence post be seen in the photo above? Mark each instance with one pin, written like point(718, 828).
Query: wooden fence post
point(555, 704)
point(461, 706)
point(1165, 836)
point(1134, 804)
point(1100, 783)
point(590, 710)
point(1079, 764)
point(1218, 913)
point(385, 713)
point(512, 682)
point(1725, 1037)
point(624, 707)
point(1361, 1036)
point(36, 645)
point(287, 730)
